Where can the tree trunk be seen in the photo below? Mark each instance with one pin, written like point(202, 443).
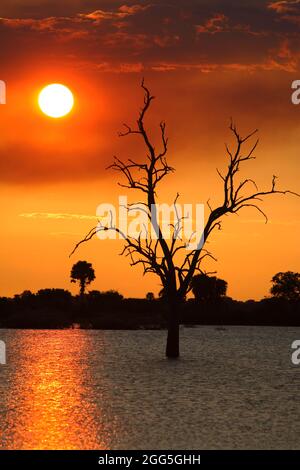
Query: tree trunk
point(82, 288)
point(172, 349)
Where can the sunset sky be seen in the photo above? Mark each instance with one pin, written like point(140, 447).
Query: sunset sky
point(205, 61)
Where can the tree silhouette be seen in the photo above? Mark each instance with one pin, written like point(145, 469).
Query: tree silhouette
point(83, 273)
point(286, 286)
point(150, 296)
point(168, 257)
point(208, 288)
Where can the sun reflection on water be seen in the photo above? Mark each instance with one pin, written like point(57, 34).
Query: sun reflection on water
point(50, 402)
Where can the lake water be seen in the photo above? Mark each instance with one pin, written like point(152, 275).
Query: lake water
point(80, 389)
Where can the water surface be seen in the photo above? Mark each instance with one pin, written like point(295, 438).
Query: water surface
point(83, 389)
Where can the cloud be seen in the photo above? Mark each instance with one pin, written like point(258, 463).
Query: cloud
point(281, 57)
point(220, 23)
point(57, 216)
point(285, 6)
point(121, 67)
point(216, 24)
point(130, 38)
point(288, 11)
point(122, 12)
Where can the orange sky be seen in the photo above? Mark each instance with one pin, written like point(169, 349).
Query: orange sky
point(204, 62)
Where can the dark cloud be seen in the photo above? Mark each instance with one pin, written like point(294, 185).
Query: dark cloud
point(123, 37)
point(290, 6)
point(288, 11)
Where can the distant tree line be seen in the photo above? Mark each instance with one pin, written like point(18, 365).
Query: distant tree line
point(58, 308)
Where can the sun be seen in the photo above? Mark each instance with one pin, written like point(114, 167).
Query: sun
point(56, 100)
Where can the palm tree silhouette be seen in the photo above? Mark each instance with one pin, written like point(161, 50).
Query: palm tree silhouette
point(82, 272)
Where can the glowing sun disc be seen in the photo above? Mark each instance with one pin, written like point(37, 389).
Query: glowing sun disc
point(56, 100)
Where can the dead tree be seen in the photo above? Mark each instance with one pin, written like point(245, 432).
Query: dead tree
point(168, 258)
